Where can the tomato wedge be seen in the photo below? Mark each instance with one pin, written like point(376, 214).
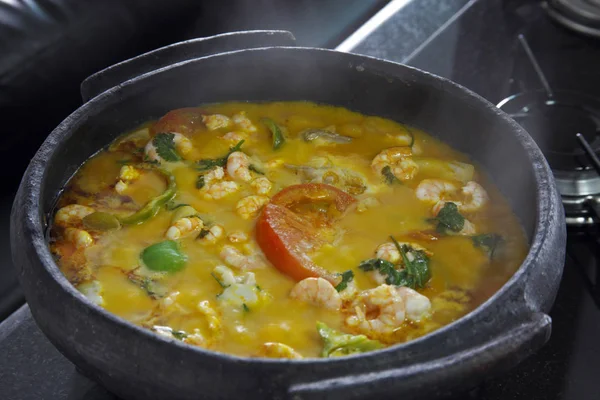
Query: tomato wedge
point(183, 120)
point(291, 225)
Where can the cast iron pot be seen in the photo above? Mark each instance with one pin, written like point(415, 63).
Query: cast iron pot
point(134, 363)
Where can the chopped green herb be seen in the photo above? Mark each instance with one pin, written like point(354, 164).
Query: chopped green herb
point(449, 219)
point(165, 146)
point(164, 256)
point(180, 335)
point(203, 233)
point(258, 288)
point(200, 182)
point(245, 307)
point(219, 281)
point(210, 163)
point(278, 138)
point(254, 169)
point(389, 176)
point(150, 286)
point(416, 268)
point(337, 344)
point(346, 278)
point(489, 242)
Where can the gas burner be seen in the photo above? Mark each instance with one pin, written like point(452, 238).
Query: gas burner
point(580, 15)
point(566, 127)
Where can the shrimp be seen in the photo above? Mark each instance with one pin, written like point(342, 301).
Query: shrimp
point(416, 305)
point(434, 191)
point(389, 252)
point(237, 166)
point(121, 187)
point(233, 137)
point(183, 227)
point(262, 185)
point(278, 350)
point(79, 237)
point(387, 306)
point(220, 190)
point(72, 215)
point(243, 122)
point(237, 259)
point(216, 121)
point(366, 204)
point(182, 144)
point(317, 291)
point(214, 233)
point(475, 197)
point(400, 161)
point(249, 206)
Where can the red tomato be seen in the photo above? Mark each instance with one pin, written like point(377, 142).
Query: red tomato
point(289, 227)
point(183, 120)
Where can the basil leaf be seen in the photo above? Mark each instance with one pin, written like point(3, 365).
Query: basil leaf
point(165, 147)
point(346, 278)
point(449, 219)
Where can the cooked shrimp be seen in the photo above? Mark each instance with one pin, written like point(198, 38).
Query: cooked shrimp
point(212, 317)
point(214, 175)
point(366, 204)
point(182, 144)
point(220, 189)
point(237, 237)
point(249, 206)
point(243, 122)
point(237, 166)
point(262, 185)
point(216, 121)
point(400, 161)
point(417, 306)
point(79, 237)
point(434, 191)
point(233, 136)
point(388, 252)
point(183, 227)
point(214, 233)
point(237, 259)
point(224, 275)
point(317, 291)
point(72, 215)
point(121, 187)
point(278, 350)
point(385, 303)
point(475, 197)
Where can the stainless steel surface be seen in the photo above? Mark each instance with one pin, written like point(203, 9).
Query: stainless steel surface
point(589, 152)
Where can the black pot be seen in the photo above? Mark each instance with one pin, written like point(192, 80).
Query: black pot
point(137, 364)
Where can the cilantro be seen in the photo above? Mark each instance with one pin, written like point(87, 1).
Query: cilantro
point(254, 169)
point(346, 278)
point(389, 176)
point(245, 307)
point(200, 182)
point(210, 163)
point(489, 242)
point(165, 146)
point(278, 138)
point(219, 281)
point(258, 288)
point(449, 219)
point(416, 267)
point(180, 335)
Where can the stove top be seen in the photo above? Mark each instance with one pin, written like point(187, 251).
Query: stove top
point(487, 46)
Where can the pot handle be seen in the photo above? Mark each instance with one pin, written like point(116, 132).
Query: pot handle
point(162, 57)
point(467, 367)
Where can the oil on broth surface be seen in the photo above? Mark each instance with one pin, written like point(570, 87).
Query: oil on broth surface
point(197, 303)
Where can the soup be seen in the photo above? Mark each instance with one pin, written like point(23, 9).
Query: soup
point(285, 229)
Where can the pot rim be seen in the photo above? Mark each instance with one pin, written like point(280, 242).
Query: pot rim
point(37, 171)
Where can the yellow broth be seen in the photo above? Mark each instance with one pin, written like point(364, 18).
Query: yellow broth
point(462, 274)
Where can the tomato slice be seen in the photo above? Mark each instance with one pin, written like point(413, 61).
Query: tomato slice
point(183, 120)
point(292, 225)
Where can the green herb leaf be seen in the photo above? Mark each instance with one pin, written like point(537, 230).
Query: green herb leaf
point(200, 182)
point(449, 219)
point(180, 335)
point(386, 268)
point(254, 169)
point(170, 206)
point(245, 307)
point(258, 288)
point(416, 267)
point(278, 138)
point(219, 281)
point(152, 288)
point(209, 163)
point(337, 344)
point(489, 242)
point(346, 278)
point(165, 147)
point(203, 233)
point(163, 256)
point(389, 176)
